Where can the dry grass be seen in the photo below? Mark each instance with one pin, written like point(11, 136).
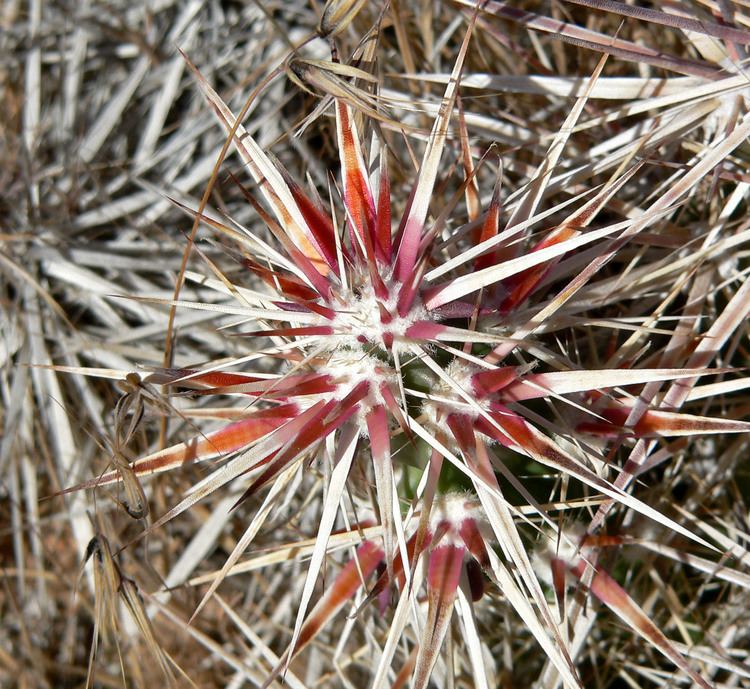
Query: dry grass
point(107, 145)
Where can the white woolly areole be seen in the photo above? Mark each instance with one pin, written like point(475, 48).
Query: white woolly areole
point(446, 399)
point(350, 367)
point(358, 315)
point(454, 509)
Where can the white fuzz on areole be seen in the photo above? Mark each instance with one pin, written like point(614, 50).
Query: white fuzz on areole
point(446, 399)
point(453, 509)
point(461, 373)
point(358, 316)
point(349, 367)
